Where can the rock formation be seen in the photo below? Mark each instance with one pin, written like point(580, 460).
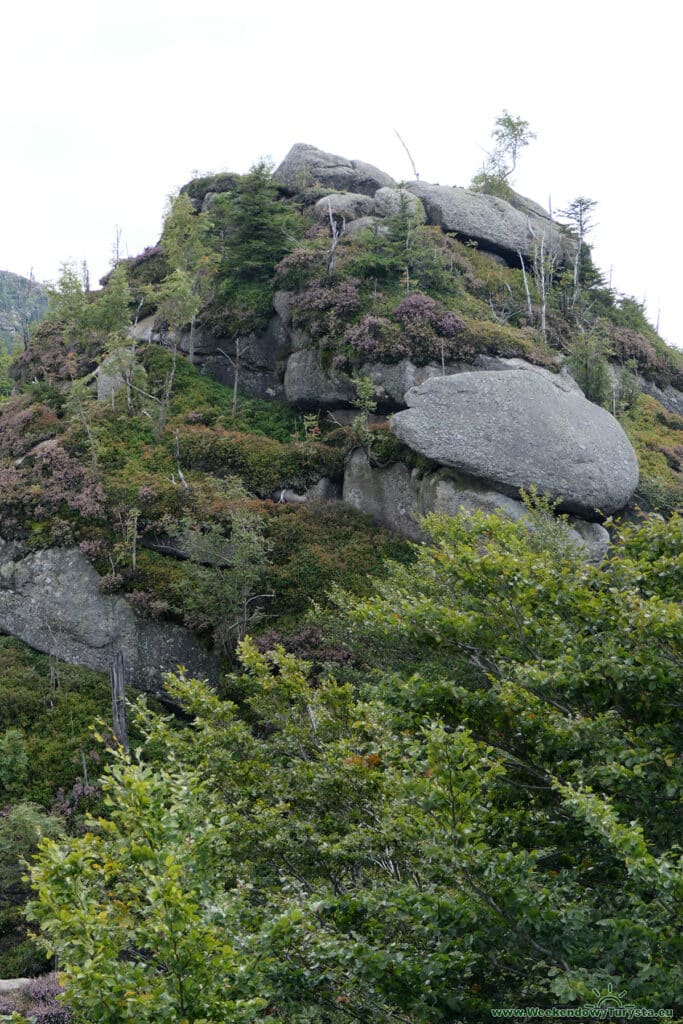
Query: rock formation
point(397, 497)
point(494, 224)
point(51, 599)
point(518, 429)
point(305, 166)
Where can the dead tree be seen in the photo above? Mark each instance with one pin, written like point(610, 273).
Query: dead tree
point(117, 676)
point(336, 236)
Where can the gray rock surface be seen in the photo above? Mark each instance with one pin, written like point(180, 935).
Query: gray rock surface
point(51, 600)
point(262, 358)
point(374, 224)
point(305, 165)
point(388, 204)
point(308, 386)
point(670, 397)
point(112, 373)
point(8, 985)
point(398, 497)
point(515, 429)
point(349, 205)
point(492, 223)
point(393, 380)
point(323, 490)
point(282, 304)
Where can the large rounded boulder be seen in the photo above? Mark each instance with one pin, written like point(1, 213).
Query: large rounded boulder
point(518, 429)
point(305, 166)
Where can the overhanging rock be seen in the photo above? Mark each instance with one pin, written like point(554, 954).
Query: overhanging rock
point(517, 429)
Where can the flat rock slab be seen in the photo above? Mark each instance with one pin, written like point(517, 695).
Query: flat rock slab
point(493, 223)
point(515, 429)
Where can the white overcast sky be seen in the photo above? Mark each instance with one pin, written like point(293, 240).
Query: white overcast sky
point(107, 108)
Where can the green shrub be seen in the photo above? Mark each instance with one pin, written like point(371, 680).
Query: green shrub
point(656, 436)
point(263, 464)
point(505, 341)
point(55, 705)
point(320, 544)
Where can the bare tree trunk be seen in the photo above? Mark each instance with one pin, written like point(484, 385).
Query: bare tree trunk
point(336, 235)
point(165, 400)
point(191, 351)
point(117, 677)
point(410, 157)
point(236, 376)
point(526, 288)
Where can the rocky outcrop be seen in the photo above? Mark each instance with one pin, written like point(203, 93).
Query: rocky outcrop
point(305, 166)
point(374, 224)
point(519, 429)
point(308, 386)
point(494, 224)
point(261, 360)
point(398, 497)
point(388, 202)
point(670, 397)
point(348, 205)
point(51, 600)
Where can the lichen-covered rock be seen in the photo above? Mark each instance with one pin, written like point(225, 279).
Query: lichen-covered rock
point(398, 497)
point(349, 205)
point(261, 361)
point(516, 429)
point(308, 386)
point(393, 380)
point(51, 600)
point(388, 202)
point(305, 165)
point(374, 224)
point(669, 396)
point(492, 223)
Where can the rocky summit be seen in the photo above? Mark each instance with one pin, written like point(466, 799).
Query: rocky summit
point(519, 429)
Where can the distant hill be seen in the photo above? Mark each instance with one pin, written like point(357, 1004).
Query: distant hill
point(23, 301)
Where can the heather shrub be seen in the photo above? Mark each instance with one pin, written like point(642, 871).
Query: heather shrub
point(39, 1002)
point(656, 436)
point(626, 344)
point(431, 330)
point(377, 338)
point(325, 309)
point(52, 486)
point(54, 356)
point(24, 424)
point(299, 267)
point(318, 544)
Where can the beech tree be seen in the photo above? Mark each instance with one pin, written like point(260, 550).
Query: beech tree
point(481, 815)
